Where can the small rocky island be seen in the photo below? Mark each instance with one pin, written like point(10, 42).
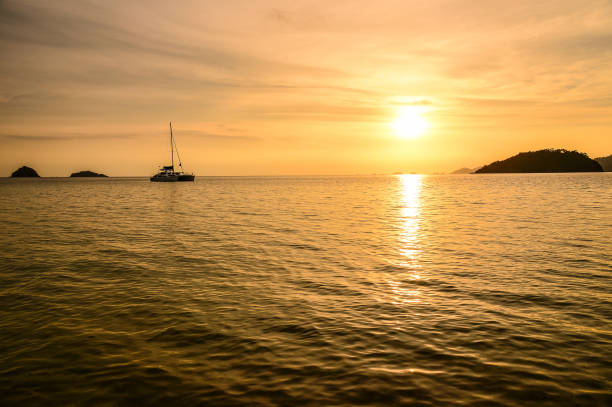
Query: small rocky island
point(549, 160)
point(87, 174)
point(25, 172)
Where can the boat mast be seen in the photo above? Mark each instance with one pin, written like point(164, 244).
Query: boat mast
point(171, 146)
point(178, 155)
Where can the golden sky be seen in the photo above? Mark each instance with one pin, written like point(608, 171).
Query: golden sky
point(299, 87)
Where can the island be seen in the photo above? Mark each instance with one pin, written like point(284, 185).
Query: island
point(25, 172)
point(548, 160)
point(605, 162)
point(87, 174)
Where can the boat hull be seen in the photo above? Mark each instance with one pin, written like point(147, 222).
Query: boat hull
point(174, 178)
point(186, 177)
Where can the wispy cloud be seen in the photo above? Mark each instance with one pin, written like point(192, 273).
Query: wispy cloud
point(66, 137)
point(219, 136)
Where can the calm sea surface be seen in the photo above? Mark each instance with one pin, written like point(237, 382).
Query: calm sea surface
point(393, 290)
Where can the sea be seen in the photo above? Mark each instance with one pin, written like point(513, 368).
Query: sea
point(404, 290)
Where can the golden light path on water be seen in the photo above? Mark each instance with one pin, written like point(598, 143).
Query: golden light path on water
point(410, 208)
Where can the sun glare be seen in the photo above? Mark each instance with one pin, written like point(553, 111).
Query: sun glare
point(409, 122)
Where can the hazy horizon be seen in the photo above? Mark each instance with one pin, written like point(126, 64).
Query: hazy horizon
point(306, 88)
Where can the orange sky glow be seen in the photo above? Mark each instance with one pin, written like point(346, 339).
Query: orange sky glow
point(300, 87)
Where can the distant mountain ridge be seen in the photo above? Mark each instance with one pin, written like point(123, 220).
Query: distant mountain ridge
point(605, 162)
point(548, 160)
point(466, 170)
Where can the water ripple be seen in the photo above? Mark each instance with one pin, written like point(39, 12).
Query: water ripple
point(407, 290)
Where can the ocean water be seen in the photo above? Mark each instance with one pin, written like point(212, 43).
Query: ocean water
point(475, 290)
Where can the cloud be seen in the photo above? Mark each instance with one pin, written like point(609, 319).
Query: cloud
point(414, 102)
point(65, 137)
point(348, 112)
point(57, 27)
point(492, 102)
point(219, 136)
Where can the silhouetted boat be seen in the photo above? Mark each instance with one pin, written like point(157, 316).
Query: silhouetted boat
point(167, 172)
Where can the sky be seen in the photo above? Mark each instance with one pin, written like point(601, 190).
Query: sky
point(299, 87)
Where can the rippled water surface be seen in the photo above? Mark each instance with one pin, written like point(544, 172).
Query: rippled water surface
point(400, 290)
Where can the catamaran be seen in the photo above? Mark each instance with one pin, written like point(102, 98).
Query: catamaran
point(167, 173)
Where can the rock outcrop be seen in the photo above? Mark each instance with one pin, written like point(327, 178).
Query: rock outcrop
point(25, 172)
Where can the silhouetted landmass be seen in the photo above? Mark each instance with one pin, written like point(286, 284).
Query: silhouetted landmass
point(25, 172)
point(548, 160)
point(466, 170)
point(87, 174)
point(605, 162)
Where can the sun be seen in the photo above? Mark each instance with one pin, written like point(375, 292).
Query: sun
point(409, 122)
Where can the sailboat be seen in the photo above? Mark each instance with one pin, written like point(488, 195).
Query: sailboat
point(167, 173)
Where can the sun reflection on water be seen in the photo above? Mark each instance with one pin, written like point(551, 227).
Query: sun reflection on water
point(409, 248)
point(410, 211)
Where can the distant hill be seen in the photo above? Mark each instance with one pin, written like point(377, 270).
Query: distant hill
point(465, 170)
point(548, 160)
point(605, 162)
point(25, 172)
point(87, 174)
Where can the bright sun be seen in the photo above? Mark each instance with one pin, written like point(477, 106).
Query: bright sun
point(409, 122)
